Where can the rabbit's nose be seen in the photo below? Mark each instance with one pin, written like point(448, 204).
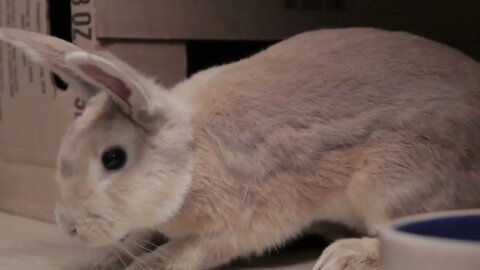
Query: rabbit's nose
point(73, 232)
point(67, 224)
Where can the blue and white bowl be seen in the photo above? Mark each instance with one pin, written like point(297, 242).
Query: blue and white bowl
point(439, 241)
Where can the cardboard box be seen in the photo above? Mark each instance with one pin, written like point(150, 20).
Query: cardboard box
point(33, 116)
point(447, 20)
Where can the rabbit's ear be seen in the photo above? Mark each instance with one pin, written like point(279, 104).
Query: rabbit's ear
point(48, 52)
point(127, 88)
point(89, 73)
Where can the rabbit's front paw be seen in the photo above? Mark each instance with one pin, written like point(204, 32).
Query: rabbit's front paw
point(350, 254)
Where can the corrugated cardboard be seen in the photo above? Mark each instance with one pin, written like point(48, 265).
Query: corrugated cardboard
point(451, 20)
point(34, 115)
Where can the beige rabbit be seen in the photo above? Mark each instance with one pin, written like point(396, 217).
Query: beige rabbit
point(352, 126)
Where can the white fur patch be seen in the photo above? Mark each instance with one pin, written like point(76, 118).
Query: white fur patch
point(97, 176)
point(174, 204)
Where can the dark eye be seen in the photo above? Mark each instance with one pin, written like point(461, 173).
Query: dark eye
point(114, 158)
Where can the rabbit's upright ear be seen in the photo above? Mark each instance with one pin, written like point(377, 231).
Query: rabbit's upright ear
point(127, 88)
point(89, 73)
point(49, 52)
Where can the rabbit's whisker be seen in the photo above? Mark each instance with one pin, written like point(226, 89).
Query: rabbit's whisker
point(135, 258)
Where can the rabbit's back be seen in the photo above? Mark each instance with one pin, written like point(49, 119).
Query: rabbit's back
point(310, 104)
point(342, 73)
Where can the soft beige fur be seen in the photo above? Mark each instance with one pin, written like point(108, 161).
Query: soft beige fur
point(352, 126)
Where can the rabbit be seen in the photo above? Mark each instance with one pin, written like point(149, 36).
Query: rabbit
point(352, 126)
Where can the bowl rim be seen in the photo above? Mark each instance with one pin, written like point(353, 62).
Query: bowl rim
point(390, 230)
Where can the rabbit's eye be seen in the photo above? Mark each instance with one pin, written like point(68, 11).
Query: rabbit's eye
point(114, 158)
